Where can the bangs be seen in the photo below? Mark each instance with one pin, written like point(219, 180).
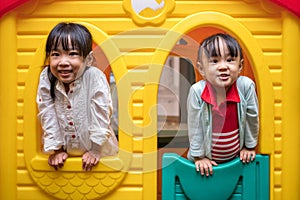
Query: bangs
point(211, 46)
point(66, 41)
point(71, 37)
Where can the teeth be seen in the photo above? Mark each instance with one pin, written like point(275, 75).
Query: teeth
point(65, 71)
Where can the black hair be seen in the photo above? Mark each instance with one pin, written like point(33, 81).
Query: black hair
point(211, 47)
point(63, 33)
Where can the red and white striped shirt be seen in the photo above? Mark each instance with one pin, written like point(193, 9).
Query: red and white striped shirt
point(225, 146)
point(225, 128)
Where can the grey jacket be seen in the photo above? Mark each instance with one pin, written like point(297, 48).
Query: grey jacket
point(200, 118)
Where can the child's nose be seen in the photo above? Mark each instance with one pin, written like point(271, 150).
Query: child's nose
point(223, 66)
point(64, 60)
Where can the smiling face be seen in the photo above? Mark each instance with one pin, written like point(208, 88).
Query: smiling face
point(220, 69)
point(68, 51)
point(66, 64)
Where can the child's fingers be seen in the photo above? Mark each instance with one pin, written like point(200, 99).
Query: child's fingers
point(87, 167)
point(202, 170)
point(197, 166)
point(57, 160)
point(52, 161)
point(247, 156)
point(95, 161)
point(205, 169)
point(85, 163)
point(253, 156)
point(65, 156)
point(61, 157)
point(243, 156)
point(214, 163)
point(60, 160)
point(88, 161)
point(210, 170)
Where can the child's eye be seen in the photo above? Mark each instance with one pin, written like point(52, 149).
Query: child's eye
point(74, 53)
point(213, 61)
point(54, 54)
point(230, 59)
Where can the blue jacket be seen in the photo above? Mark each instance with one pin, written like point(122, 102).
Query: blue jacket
point(200, 118)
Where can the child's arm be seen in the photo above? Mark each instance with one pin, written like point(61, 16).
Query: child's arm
point(101, 110)
point(195, 122)
point(251, 129)
point(99, 119)
point(47, 115)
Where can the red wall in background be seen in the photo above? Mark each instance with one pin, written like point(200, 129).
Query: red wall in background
point(292, 5)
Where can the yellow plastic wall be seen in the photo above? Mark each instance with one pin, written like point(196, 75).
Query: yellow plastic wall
point(137, 46)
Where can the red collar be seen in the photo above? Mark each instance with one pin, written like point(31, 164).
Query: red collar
point(208, 94)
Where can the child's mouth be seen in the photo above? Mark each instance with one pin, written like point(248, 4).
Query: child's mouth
point(224, 77)
point(65, 72)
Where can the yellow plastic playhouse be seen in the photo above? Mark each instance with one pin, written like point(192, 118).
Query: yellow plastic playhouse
point(147, 49)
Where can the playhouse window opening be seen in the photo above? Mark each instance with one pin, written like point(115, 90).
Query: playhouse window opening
point(114, 96)
point(177, 77)
point(102, 63)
